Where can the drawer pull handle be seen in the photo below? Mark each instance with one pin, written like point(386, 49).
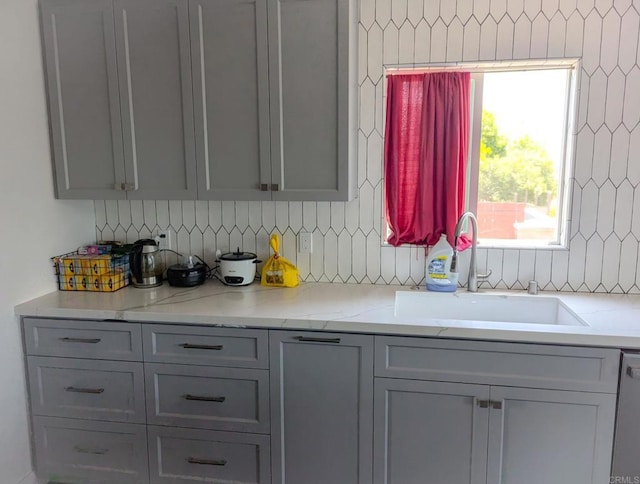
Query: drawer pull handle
point(199, 398)
point(317, 340)
point(82, 450)
point(207, 462)
point(81, 340)
point(633, 372)
point(85, 390)
point(190, 346)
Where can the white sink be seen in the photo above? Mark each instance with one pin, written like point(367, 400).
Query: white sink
point(467, 306)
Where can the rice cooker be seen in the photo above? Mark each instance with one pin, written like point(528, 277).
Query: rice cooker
point(238, 268)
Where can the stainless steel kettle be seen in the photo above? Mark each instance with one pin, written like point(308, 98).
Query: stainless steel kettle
point(146, 264)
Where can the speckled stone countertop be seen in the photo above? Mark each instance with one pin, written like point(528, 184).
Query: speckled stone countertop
point(613, 320)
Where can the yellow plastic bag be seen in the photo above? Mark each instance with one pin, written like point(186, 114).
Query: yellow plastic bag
point(278, 271)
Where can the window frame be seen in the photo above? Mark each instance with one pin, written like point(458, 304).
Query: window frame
point(569, 134)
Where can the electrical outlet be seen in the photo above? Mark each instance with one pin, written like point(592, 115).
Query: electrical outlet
point(163, 239)
point(305, 243)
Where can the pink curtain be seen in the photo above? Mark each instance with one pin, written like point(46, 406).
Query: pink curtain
point(426, 146)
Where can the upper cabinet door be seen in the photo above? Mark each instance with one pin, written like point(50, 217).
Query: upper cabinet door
point(231, 92)
point(84, 106)
point(154, 69)
point(312, 71)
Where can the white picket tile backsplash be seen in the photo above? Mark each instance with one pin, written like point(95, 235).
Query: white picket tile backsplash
point(347, 237)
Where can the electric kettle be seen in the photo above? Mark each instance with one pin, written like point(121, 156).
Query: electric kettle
point(146, 264)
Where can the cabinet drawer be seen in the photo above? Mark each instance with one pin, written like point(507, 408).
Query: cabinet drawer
point(534, 366)
point(83, 339)
point(207, 397)
point(188, 455)
point(242, 348)
point(79, 451)
point(100, 390)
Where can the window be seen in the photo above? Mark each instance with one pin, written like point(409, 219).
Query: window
point(520, 149)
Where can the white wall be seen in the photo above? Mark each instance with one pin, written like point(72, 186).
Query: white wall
point(34, 226)
point(605, 213)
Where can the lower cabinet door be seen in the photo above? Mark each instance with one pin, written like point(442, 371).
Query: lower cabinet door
point(430, 432)
point(192, 455)
point(550, 437)
point(84, 452)
point(322, 407)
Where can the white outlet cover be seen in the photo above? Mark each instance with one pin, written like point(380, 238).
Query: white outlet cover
point(305, 243)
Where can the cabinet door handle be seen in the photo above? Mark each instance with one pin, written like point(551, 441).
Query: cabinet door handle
point(80, 340)
point(83, 450)
point(317, 340)
point(264, 187)
point(275, 187)
point(94, 391)
point(199, 398)
point(190, 346)
point(207, 462)
point(496, 404)
point(633, 372)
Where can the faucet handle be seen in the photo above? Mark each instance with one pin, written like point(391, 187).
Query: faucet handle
point(485, 276)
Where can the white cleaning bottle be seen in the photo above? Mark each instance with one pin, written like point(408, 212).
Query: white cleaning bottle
point(439, 276)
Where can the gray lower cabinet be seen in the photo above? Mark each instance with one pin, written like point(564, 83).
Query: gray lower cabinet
point(234, 399)
point(312, 407)
point(430, 432)
point(478, 434)
point(82, 339)
point(190, 455)
point(89, 389)
point(83, 452)
point(555, 437)
point(120, 102)
point(321, 407)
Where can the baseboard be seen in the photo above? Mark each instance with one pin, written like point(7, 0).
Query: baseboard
point(29, 479)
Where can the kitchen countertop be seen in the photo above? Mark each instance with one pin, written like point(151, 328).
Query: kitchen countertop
point(614, 320)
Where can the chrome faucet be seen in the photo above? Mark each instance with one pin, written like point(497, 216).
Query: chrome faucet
point(472, 284)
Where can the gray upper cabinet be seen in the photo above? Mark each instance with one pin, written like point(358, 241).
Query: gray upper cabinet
point(206, 99)
point(84, 102)
point(120, 100)
point(154, 70)
point(231, 91)
point(321, 408)
point(312, 55)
